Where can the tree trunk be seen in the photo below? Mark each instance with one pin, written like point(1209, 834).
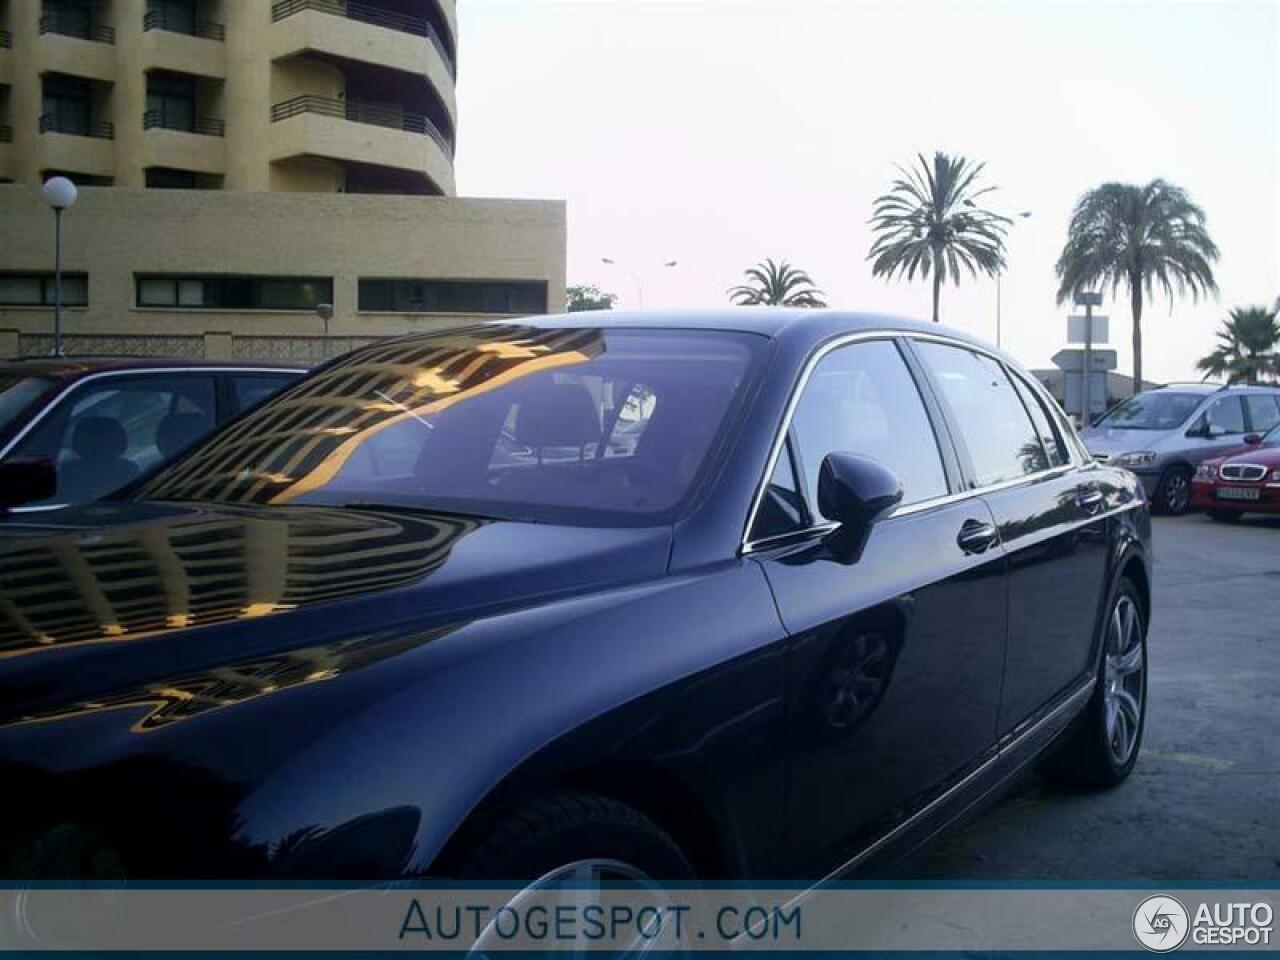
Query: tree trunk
point(1135, 303)
point(937, 289)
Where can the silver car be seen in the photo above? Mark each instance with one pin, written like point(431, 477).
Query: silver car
point(1161, 435)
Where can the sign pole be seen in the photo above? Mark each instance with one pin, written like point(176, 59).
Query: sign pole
point(1088, 364)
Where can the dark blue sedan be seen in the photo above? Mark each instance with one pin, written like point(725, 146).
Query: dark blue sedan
point(737, 594)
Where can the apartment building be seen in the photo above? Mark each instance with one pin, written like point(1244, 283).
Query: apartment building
point(242, 165)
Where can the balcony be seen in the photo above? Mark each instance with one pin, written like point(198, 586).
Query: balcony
point(78, 27)
point(361, 133)
point(77, 47)
point(374, 16)
point(197, 146)
point(190, 26)
point(81, 148)
point(201, 126)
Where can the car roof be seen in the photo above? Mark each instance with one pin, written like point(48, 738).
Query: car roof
point(1207, 389)
point(773, 322)
point(73, 368)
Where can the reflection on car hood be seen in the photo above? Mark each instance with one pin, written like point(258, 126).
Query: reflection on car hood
point(112, 592)
point(1113, 440)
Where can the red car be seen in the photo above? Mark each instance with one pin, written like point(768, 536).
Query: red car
point(1244, 480)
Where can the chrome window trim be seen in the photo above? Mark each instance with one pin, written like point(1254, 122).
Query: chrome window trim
point(747, 545)
point(75, 385)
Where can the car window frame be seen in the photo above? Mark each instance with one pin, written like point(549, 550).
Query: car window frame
point(940, 419)
point(1197, 431)
point(1273, 398)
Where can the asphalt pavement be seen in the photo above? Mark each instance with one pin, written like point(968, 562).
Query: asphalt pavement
point(1203, 802)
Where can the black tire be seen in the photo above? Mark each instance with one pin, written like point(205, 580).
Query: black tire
point(1173, 492)
point(1225, 516)
point(542, 835)
point(1085, 758)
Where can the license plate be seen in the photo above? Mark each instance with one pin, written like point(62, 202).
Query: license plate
point(1236, 493)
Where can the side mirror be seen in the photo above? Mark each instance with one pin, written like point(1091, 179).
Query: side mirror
point(26, 479)
point(1253, 439)
point(855, 492)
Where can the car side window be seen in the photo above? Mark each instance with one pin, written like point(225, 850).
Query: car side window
point(1055, 449)
point(782, 508)
point(108, 432)
point(1001, 440)
point(1264, 412)
point(862, 399)
point(1225, 417)
point(251, 389)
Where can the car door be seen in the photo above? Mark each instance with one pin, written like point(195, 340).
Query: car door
point(1049, 516)
point(895, 665)
point(109, 430)
point(1219, 428)
point(1263, 410)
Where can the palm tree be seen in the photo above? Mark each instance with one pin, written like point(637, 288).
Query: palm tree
point(929, 222)
point(1248, 347)
point(1137, 236)
point(777, 285)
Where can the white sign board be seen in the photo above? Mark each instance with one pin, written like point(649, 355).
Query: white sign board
point(1073, 392)
point(1078, 329)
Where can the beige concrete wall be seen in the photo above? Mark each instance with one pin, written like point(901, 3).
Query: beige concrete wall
point(114, 234)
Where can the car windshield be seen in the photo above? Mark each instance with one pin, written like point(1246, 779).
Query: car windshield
point(1272, 437)
point(560, 425)
point(19, 392)
point(1152, 411)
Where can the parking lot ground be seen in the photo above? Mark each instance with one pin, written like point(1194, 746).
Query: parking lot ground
point(1203, 802)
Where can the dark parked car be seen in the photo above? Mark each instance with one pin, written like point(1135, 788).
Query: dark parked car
point(743, 594)
point(104, 421)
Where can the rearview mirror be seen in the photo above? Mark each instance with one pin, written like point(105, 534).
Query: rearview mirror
point(25, 480)
point(1253, 439)
point(855, 492)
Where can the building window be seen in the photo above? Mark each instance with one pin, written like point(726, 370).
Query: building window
point(234, 293)
point(66, 105)
point(166, 178)
point(453, 296)
point(171, 101)
point(37, 289)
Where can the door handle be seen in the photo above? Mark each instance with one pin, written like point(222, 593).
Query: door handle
point(1089, 499)
point(977, 537)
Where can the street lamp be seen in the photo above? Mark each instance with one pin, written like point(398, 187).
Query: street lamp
point(325, 312)
point(634, 274)
point(59, 193)
point(1024, 215)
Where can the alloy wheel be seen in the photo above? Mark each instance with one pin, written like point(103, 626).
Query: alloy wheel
point(1177, 492)
point(580, 884)
point(1124, 679)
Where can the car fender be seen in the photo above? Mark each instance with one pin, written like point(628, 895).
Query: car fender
point(680, 673)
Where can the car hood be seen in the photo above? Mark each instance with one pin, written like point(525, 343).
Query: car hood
point(102, 597)
point(1113, 441)
point(1267, 456)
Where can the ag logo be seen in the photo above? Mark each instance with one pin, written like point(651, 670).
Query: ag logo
point(1161, 923)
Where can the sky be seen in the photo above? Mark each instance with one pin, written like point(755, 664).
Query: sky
point(720, 132)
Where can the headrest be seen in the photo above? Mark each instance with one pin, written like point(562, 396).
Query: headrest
point(177, 431)
point(557, 415)
point(99, 438)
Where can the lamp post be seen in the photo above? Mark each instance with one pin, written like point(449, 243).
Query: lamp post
point(635, 275)
point(325, 312)
point(59, 193)
point(999, 273)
